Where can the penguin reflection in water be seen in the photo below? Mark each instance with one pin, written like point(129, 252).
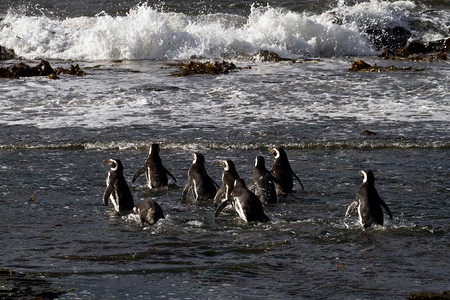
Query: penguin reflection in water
point(246, 203)
point(154, 170)
point(368, 202)
point(282, 171)
point(119, 193)
point(202, 186)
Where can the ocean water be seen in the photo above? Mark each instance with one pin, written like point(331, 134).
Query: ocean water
point(55, 135)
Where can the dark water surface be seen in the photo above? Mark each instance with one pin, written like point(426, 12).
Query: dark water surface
point(55, 135)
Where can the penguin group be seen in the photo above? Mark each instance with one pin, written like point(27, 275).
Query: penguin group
point(248, 201)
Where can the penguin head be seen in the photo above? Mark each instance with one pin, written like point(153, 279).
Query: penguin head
point(277, 152)
point(367, 176)
point(260, 162)
point(154, 150)
point(114, 164)
point(227, 164)
point(197, 157)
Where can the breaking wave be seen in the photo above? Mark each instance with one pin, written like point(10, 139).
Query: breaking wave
point(151, 33)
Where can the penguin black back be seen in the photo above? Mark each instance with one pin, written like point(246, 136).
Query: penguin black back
point(245, 202)
point(117, 189)
point(199, 182)
point(229, 175)
point(149, 211)
point(263, 182)
point(282, 171)
point(154, 170)
point(368, 202)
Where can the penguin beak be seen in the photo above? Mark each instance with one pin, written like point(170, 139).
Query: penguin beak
point(272, 150)
point(110, 162)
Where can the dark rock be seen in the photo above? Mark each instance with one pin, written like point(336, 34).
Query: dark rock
point(6, 53)
point(208, 68)
point(361, 65)
point(42, 69)
point(419, 51)
point(388, 38)
point(416, 47)
point(266, 55)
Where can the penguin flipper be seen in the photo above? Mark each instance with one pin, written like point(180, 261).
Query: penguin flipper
point(109, 189)
point(295, 175)
point(382, 203)
point(170, 174)
point(219, 194)
point(214, 182)
point(138, 173)
point(186, 189)
point(222, 206)
point(351, 207)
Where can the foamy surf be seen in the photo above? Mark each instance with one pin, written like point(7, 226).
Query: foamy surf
point(152, 33)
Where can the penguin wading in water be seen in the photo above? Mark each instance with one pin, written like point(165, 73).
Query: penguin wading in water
point(229, 175)
point(245, 202)
point(117, 189)
point(149, 211)
point(154, 170)
point(368, 202)
point(282, 171)
point(263, 182)
point(199, 183)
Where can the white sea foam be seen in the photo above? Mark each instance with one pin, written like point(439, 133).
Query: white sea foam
point(148, 33)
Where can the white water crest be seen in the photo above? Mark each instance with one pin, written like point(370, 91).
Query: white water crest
point(150, 33)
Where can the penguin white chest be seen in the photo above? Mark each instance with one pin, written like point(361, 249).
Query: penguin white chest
point(195, 189)
point(359, 214)
point(149, 178)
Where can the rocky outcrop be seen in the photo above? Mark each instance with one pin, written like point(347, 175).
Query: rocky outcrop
point(361, 66)
point(420, 51)
point(202, 68)
point(42, 69)
point(6, 53)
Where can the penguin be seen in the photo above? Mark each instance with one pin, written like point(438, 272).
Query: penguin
point(202, 186)
point(155, 172)
point(245, 202)
point(117, 188)
point(149, 211)
point(368, 202)
point(229, 175)
point(263, 182)
point(282, 171)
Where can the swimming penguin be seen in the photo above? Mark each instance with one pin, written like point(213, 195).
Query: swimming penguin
point(155, 172)
point(263, 182)
point(368, 202)
point(202, 186)
point(282, 171)
point(245, 202)
point(229, 175)
point(149, 211)
point(117, 188)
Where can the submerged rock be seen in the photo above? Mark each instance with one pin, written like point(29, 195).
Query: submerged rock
point(429, 295)
point(16, 285)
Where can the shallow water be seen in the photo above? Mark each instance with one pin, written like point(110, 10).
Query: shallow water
point(56, 134)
